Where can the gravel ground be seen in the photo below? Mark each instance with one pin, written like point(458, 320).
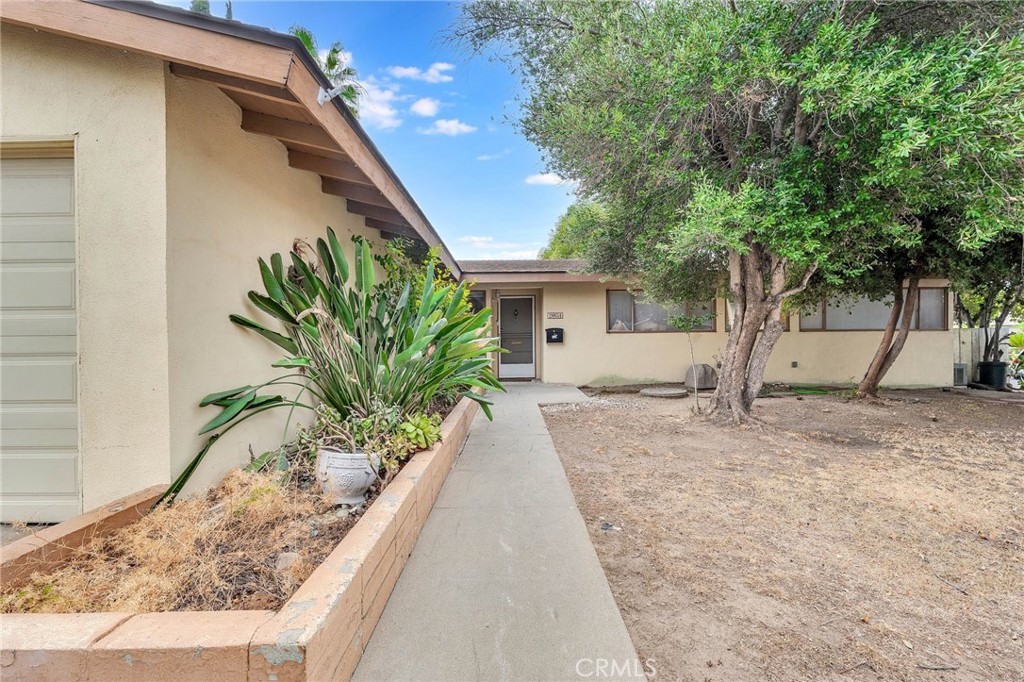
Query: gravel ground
point(845, 540)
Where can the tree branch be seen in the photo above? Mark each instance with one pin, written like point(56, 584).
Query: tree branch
point(813, 268)
point(779, 129)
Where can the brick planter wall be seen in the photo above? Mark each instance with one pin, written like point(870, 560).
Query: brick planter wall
point(319, 634)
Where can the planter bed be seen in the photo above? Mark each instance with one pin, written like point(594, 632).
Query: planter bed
point(318, 634)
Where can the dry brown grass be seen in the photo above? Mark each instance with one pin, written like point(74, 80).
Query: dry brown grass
point(828, 545)
point(215, 553)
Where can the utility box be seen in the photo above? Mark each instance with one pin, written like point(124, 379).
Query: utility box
point(701, 377)
point(555, 334)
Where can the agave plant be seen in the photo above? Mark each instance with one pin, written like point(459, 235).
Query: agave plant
point(353, 345)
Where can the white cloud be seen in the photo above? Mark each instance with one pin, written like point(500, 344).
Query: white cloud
point(425, 106)
point(377, 105)
point(435, 73)
point(492, 157)
point(483, 247)
point(544, 179)
point(448, 126)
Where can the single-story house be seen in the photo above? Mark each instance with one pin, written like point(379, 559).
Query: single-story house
point(604, 333)
point(149, 156)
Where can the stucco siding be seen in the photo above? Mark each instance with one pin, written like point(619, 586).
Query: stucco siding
point(112, 105)
point(591, 355)
point(231, 198)
point(842, 357)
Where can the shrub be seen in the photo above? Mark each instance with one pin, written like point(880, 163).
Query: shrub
point(355, 346)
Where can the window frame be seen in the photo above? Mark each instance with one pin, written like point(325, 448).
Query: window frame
point(730, 311)
point(633, 295)
point(482, 293)
point(917, 312)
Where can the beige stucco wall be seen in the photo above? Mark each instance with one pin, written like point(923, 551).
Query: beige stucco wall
point(591, 355)
point(112, 104)
point(231, 198)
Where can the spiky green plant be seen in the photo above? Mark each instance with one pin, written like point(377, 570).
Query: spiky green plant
point(354, 345)
point(334, 62)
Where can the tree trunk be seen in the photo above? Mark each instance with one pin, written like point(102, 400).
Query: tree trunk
point(1011, 298)
point(757, 282)
point(987, 316)
point(893, 339)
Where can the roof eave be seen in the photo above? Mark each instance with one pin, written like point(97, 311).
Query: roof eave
point(528, 277)
point(276, 67)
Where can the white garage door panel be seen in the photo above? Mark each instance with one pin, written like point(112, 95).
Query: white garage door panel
point(35, 509)
point(21, 438)
point(45, 345)
point(39, 458)
point(39, 417)
point(39, 285)
point(43, 380)
point(14, 325)
point(27, 473)
point(38, 187)
point(38, 251)
point(17, 230)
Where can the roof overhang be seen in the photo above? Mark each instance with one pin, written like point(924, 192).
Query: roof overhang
point(528, 277)
point(271, 77)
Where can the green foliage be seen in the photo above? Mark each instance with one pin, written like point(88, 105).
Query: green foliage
point(386, 435)
point(420, 430)
point(405, 261)
point(989, 287)
point(573, 231)
point(814, 132)
point(1016, 368)
point(688, 322)
point(334, 62)
point(355, 346)
point(200, 7)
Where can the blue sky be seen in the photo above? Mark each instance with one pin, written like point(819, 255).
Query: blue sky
point(440, 118)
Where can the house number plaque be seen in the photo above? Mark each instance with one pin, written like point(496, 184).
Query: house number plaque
point(556, 316)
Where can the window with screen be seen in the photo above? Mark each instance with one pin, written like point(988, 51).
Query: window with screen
point(862, 314)
point(730, 311)
point(477, 300)
point(630, 312)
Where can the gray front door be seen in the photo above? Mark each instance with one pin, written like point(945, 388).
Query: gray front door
point(515, 316)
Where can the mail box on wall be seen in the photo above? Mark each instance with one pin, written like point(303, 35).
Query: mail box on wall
point(555, 334)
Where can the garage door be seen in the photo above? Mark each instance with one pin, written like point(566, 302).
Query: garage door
point(39, 459)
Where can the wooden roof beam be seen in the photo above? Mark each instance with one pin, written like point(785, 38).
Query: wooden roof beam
point(362, 193)
point(389, 215)
point(288, 131)
point(306, 88)
point(391, 228)
point(328, 168)
point(234, 84)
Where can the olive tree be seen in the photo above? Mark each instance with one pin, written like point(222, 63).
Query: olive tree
point(746, 147)
point(572, 232)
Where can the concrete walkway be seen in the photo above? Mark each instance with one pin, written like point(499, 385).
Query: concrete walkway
point(503, 583)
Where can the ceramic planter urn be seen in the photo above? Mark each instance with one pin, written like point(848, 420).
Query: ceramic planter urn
point(345, 476)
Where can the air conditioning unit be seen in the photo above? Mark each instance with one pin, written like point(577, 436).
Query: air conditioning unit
point(959, 374)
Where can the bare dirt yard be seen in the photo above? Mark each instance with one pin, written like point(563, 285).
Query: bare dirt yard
point(846, 540)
